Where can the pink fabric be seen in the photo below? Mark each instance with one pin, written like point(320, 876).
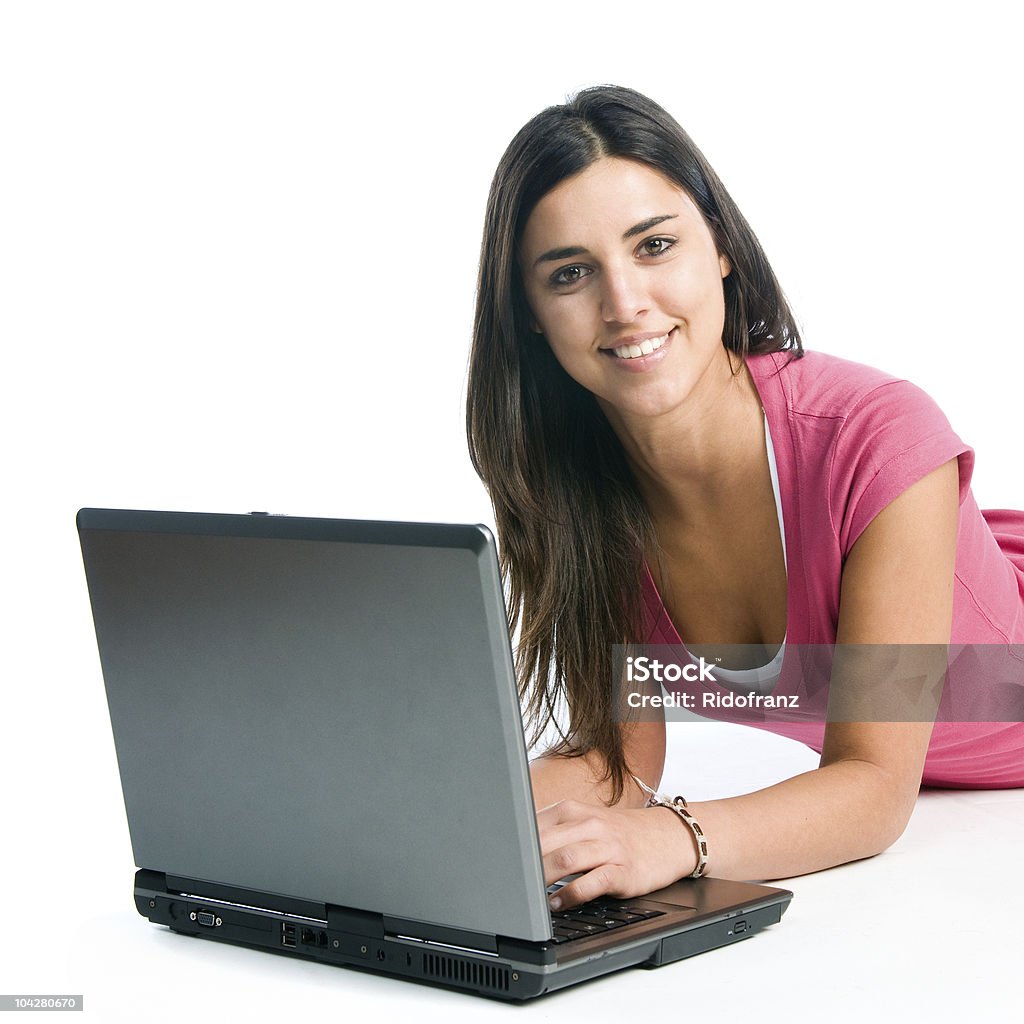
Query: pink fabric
point(848, 439)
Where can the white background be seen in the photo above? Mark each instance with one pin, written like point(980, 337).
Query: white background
point(238, 245)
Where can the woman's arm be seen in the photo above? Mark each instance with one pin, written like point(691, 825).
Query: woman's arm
point(582, 779)
point(897, 589)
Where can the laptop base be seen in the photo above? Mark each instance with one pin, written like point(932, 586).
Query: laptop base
point(515, 970)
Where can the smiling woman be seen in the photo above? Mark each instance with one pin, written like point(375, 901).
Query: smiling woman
point(666, 465)
point(587, 299)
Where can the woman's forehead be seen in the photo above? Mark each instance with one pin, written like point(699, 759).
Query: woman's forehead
point(612, 194)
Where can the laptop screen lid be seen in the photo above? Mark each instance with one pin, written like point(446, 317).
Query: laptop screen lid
point(284, 693)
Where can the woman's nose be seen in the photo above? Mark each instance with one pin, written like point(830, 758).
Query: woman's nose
point(623, 297)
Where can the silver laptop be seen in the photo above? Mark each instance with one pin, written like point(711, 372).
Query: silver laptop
point(321, 752)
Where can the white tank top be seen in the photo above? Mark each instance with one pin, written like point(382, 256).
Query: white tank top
point(763, 678)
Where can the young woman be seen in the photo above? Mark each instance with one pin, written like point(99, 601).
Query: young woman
point(667, 465)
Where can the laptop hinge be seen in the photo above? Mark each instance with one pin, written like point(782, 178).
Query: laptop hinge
point(445, 946)
point(355, 922)
point(246, 897)
point(460, 937)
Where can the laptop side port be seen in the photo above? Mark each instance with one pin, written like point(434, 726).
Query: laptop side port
point(206, 919)
point(287, 935)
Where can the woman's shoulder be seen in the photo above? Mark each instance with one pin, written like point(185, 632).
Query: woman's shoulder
point(819, 384)
point(850, 408)
point(869, 434)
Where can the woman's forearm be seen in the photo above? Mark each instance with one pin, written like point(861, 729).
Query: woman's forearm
point(584, 778)
point(581, 778)
point(840, 812)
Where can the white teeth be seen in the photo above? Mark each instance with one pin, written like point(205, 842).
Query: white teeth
point(645, 348)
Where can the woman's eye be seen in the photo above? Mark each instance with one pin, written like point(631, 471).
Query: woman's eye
point(569, 275)
point(657, 246)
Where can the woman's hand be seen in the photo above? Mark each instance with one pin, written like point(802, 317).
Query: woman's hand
point(616, 851)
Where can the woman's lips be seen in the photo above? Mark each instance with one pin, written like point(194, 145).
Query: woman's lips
point(637, 356)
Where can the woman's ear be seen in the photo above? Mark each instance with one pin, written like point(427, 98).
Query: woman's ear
point(725, 265)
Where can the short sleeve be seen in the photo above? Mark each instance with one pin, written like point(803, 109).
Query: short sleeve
point(894, 436)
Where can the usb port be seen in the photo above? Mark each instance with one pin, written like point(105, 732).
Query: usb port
point(288, 935)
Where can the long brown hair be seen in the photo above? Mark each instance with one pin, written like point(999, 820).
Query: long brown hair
point(572, 528)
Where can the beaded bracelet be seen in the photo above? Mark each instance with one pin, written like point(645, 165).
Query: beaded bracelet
point(679, 806)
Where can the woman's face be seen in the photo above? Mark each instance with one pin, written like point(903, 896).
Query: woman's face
point(625, 282)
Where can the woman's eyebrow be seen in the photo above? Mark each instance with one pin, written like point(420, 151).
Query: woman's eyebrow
point(576, 250)
point(646, 225)
point(559, 254)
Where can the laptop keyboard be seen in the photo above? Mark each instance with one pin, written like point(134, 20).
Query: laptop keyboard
point(602, 915)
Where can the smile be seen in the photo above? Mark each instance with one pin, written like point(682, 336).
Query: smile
point(643, 348)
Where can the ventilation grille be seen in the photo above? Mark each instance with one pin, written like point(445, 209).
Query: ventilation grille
point(465, 972)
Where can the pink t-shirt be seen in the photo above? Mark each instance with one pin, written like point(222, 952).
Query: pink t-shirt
point(847, 440)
